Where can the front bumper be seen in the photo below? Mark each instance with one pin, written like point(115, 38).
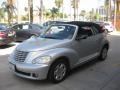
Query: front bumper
point(29, 71)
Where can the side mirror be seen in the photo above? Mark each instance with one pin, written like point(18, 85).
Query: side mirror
point(81, 37)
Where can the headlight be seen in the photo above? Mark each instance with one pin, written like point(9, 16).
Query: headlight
point(41, 60)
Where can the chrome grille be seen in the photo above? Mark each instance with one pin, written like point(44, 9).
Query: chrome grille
point(20, 56)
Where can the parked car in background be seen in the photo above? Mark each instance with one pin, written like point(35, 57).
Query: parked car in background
point(25, 31)
point(6, 35)
point(59, 49)
point(108, 26)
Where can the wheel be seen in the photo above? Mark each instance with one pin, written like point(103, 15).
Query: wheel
point(58, 71)
point(103, 53)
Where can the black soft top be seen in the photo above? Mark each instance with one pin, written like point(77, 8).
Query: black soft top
point(81, 23)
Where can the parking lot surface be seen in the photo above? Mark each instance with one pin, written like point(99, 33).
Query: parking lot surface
point(95, 75)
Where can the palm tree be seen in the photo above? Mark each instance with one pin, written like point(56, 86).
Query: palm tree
point(59, 4)
point(41, 11)
point(75, 6)
point(54, 12)
point(30, 8)
point(10, 9)
point(47, 14)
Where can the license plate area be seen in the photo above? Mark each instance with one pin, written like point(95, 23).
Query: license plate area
point(10, 34)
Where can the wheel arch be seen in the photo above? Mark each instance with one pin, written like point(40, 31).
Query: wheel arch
point(106, 45)
point(62, 58)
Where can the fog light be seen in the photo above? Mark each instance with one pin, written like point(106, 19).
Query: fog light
point(35, 75)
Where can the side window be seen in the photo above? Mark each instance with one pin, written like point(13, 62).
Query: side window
point(17, 27)
point(85, 30)
point(25, 27)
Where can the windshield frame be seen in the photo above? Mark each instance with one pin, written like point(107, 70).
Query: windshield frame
point(73, 36)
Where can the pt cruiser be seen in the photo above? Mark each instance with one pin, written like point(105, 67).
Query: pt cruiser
point(59, 49)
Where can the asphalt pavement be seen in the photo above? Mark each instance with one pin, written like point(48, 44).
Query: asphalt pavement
point(95, 75)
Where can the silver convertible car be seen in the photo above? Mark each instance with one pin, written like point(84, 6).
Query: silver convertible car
point(58, 50)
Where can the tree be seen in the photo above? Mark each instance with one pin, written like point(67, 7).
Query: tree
point(59, 4)
point(62, 14)
point(75, 6)
point(107, 5)
point(39, 13)
point(10, 9)
point(47, 14)
point(30, 8)
point(2, 14)
point(54, 12)
point(25, 17)
point(93, 15)
point(41, 10)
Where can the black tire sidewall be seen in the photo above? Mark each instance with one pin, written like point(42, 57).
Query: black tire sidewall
point(51, 71)
point(101, 54)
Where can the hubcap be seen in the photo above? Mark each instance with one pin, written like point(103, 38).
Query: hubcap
point(60, 71)
point(104, 53)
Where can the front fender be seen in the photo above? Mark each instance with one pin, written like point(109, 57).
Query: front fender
point(64, 52)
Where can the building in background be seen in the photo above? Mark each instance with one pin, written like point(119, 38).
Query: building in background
point(102, 13)
point(117, 14)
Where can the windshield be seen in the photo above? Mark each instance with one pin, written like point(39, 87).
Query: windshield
point(59, 32)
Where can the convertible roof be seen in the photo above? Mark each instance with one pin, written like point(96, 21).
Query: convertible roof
point(81, 23)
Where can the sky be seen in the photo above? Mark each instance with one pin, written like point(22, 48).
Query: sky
point(84, 4)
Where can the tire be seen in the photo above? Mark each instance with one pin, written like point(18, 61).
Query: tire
point(58, 71)
point(103, 53)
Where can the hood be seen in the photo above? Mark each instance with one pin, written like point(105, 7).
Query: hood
point(40, 44)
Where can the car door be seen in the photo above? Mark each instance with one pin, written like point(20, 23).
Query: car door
point(26, 31)
point(22, 31)
point(86, 47)
point(17, 28)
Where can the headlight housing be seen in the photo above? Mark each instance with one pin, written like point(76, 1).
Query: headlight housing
point(41, 60)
